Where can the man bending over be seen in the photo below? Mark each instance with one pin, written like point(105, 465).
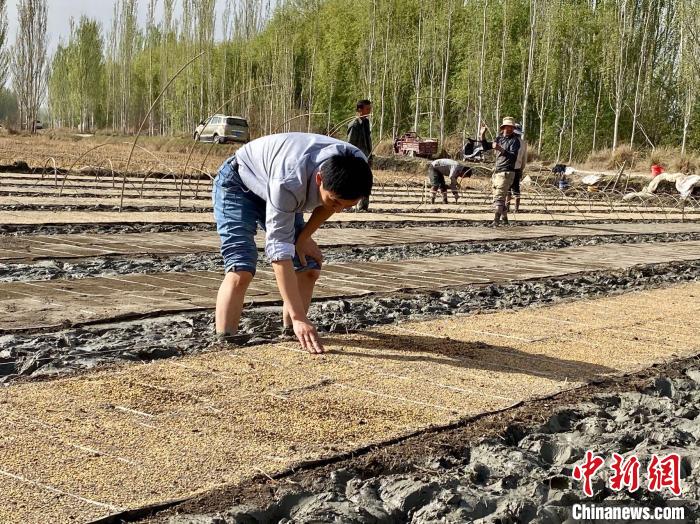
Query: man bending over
point(438, 170)
point(270, 182)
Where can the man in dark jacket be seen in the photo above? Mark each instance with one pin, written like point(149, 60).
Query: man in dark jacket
point(506, 145)
point(360, 136)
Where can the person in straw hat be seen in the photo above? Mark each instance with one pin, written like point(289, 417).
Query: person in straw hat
point(507, 146)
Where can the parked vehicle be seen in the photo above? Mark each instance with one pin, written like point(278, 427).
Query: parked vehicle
point(37, 125)
point(411, 144)
point(222, 129)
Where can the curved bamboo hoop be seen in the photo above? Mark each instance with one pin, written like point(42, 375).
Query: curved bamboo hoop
point(145, 118)
point(55, 171)
point(194, 142)
point(80, 157)
point(158, 160)
point(276, 130)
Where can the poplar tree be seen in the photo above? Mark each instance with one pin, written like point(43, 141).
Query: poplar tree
point(581, 75)
point(4, 57)
point(29, 60)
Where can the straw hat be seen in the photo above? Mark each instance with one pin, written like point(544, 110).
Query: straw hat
point(508, 121)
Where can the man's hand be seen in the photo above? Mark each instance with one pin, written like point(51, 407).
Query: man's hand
point(308, 337)
point(482, 131)
point(308, 248)
point(497, 146)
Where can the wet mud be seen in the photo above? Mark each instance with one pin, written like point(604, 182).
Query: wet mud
point(169, 227)
point(45, 354)
point(112, 228)
point(52, 269)
point(415, 208)
point(508, 468)
point(189, 208)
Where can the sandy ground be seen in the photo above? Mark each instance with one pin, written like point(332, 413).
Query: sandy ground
point(408, 360)
point(124, 438)
point(515, 467)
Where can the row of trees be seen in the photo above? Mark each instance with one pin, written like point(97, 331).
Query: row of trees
point(580, 74)
point(26, 61)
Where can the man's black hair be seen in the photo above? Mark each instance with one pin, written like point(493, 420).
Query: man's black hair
point(363, 103)
point(347, 176)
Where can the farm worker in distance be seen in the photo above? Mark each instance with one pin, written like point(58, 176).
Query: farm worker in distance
point(506, 146)
point(438, 169)
point(271, 181)
point(360, 135)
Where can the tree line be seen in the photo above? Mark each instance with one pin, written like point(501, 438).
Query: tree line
point(580, 75)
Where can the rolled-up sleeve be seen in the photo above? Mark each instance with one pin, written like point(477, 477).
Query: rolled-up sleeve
point(279, 223)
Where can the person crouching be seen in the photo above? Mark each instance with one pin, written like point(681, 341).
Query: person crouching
point(438, 170)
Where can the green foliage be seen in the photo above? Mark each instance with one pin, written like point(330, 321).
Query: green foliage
point(605, 69)
point(8, 106)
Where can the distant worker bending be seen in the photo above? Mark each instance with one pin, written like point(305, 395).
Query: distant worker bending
point(438, 170)
point(506, 145)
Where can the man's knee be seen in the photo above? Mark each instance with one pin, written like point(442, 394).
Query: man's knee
point(310, 275)
point(238, 279)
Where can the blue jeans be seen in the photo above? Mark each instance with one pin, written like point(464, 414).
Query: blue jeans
point(238, 213)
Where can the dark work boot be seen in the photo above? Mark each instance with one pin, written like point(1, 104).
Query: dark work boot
point(496, 220)
point(444, 198)
point(432, 198)
point(504, 219)
point(517, 204)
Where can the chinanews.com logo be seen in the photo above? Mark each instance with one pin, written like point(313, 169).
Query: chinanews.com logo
point(662, 474)
point(592, 512)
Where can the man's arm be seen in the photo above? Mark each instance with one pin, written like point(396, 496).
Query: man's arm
point(305, 245)
point(289, 289)
point(369, 141)
point(485, 145)
point(316, 220)
point(354, 131)
point(280, 249)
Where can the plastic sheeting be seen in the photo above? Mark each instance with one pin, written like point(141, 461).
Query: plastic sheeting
point(684, 185)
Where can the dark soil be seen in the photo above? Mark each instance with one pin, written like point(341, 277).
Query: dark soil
point(56, 268)
point(37, 354)
point(163, 227)
point(414, 208)
point(111, 228)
